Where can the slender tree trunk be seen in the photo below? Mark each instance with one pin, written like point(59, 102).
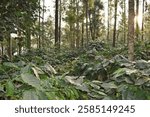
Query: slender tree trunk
point(131, 30)
point(28, 34)
point(108, 21)
point(56, 25)
point(90, 26)
point(137, 14)
point(94, 25)
point(43, 13)
point(124, 27)
point(60, 16)
point(72, 46)
point(82, 41)
point(9, 41)
point(115, 23)
point(39, 39)
point(77, 22)
point(2, 48)
point(143, 10)
point(19, 42)
point(87, 25)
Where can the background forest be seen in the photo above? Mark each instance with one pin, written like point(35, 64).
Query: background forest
point(82, 52)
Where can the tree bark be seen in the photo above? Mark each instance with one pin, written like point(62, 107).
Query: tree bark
point(9, 48)
point(124, 23)
point(131, 31)
point(115, 24)
point(39, 39)
point(137, 14)
point(56, 25)
point(43, 23)
point(143, 10)
point(87, 23)
point(60, 16)
point(108, 21)
point(77, 22)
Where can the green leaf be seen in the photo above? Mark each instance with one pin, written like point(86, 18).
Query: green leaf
point(95, 86)
point(10, 88)
point(119, 72)
point(31, 80)
point(41, 95)
point(146, 72)
point(110, 85)
point(141, 64)
point(129, 80)
point(52, 95)
point(50, 68)
point(11, 65)
point(130, 71)
point(141, 81)
point(26, 69)
point(30, 95)
point(1, 88)
point(75, 80)
point(37, 71)
point(83, 88)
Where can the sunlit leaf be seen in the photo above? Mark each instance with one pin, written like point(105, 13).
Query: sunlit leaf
point(110, 85)
point(31, 80)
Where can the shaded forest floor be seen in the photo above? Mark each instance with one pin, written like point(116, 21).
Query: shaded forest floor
point(95, 72)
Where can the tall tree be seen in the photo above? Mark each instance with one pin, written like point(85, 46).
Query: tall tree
point(87, 23)
point(60, 17)
point(115, 24)
point(56, 24)
point(39, 38)
point(131, 30)
point(124, 22)
point(143, 10)
point(137, 15)
point(43, 14)
point(77, 25)
point(108, 20)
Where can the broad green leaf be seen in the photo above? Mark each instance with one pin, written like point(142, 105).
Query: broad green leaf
point(75, 80)
point(146, 72)
point(37, 71)
point(95, 86)
point(83, 88)
point(50, 68)
point(130, 71)
point(99, 92)
point(21, 63)
point(141, 81)
point(26, 69)
point(110, 85)
point(31, 80)
point(119, 72)
point(94, 95)
point(129, 80)
point(141, 64)
point(10, 89)
point(41, 95)
point(11, 65)
point(30, 95)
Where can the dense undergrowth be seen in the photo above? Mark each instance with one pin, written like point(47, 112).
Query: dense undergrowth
point(95, 72)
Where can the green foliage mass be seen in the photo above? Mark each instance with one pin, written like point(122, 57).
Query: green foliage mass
point(95, 72)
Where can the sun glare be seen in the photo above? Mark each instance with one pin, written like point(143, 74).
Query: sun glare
point(139, 19)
